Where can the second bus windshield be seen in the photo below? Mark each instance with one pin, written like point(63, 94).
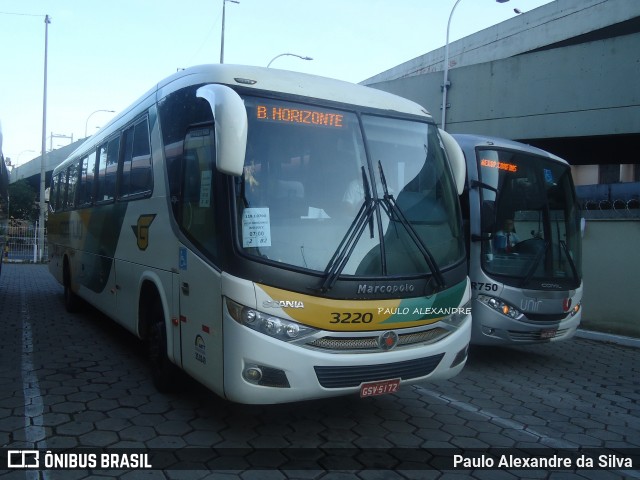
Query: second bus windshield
point(303, 187)
point(530, 214)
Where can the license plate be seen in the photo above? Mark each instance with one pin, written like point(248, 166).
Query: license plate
point(379, 388)
point(546, 334)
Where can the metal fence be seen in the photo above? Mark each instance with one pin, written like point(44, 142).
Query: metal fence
point(22, 243)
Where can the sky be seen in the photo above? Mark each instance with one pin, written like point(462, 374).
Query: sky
point(105, 55)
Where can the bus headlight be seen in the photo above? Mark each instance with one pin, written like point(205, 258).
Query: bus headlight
point(276, 327)
point(456, 318)
point(500, 306)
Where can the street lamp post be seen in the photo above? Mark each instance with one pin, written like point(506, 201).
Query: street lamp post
point(224, 2)
point(290, 54)
point(446, 84)
point(42, 206)
point(86, 124)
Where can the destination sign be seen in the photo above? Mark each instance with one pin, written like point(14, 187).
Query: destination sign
point(299, 116)
point(507, 167)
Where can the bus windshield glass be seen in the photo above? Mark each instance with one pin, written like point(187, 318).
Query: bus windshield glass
point(312, 176)
point(530, 219)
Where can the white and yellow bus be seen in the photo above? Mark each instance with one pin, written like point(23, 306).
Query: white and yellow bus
point(278, 236)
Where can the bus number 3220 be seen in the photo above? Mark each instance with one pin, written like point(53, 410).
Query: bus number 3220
point(347, 317)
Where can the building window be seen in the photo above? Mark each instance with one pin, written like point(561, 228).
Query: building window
point(609, 174)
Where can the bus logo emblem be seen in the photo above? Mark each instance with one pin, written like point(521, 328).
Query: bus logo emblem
point(388, 340)
point(141, 230)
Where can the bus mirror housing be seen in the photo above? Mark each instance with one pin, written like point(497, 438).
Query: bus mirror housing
point(230, 120)
point(456, 159)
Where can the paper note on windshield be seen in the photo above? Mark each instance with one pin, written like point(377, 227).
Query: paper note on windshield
point(205, 189)
point(256, 227)
point(316, 213)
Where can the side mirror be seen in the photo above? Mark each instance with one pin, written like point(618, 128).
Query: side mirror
point(456, 159)
point(231, 124)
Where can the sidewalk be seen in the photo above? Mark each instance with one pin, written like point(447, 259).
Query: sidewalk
point(609, 337)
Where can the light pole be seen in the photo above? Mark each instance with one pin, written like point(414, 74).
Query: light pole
point(86, 124)
point(446, 83)
point(47, 21)
point(224, 2)
point(290, 54)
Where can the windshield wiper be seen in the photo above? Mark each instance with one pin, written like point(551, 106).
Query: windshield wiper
point(572, 264)
point(534, 264)
point(393, 210)
point(348, 243)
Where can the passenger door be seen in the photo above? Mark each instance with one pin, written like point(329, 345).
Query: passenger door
point(200, 297)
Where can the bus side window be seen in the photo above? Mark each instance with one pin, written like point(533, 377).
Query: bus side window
point(64, 187)
point(196, 212)
point(54, 202)
point(85, 185)
point(72, 182)
point(136, 163)
point(82, 181)
point(107, 167)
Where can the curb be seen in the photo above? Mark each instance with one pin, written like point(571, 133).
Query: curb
point(609, 337)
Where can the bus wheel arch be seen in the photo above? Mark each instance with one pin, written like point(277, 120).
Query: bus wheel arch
point(71, 299)
point(152, 328)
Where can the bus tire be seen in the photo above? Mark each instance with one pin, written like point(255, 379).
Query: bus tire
point(164, 373)
point(71, 300)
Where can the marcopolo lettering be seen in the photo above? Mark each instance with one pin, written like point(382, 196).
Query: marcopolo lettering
point(365, 288)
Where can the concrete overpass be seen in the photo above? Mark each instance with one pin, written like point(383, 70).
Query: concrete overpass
point(30, 171)
point(564, 77)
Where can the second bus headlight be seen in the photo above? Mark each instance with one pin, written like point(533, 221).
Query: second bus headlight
point(500, 306)
point(276, 327)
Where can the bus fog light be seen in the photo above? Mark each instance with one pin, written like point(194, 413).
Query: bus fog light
point(575, 309)
point(252, 374)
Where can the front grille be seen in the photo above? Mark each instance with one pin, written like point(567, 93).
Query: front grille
point(546, 317)
point(533, 336)
point(352, 376)
point(370, 343)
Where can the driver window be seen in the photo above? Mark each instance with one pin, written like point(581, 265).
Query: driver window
point(197, 213)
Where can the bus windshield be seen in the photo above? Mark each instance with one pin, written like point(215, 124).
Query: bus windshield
point(530, 219)
point(310, 173)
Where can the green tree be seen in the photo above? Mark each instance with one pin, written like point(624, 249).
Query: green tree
point(23, 201)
